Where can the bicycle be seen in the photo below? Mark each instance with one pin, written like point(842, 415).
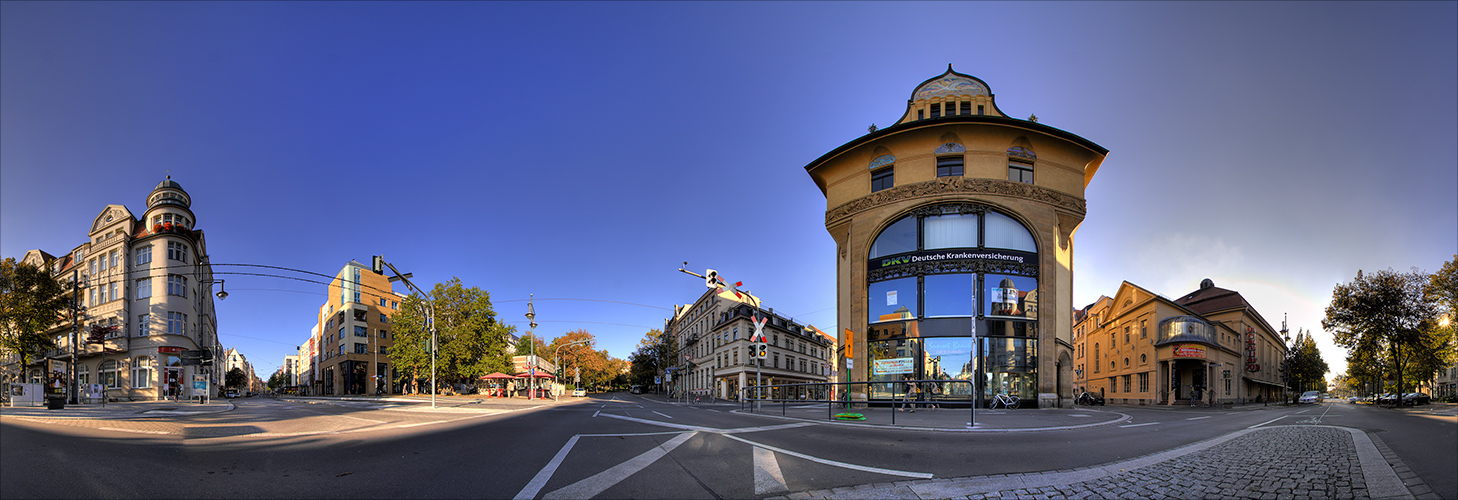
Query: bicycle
point(1008, 401)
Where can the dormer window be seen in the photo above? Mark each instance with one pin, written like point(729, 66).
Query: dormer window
point(936, 110)
point(967, 108)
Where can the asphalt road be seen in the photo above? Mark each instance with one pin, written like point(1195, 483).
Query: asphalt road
point(609, 446)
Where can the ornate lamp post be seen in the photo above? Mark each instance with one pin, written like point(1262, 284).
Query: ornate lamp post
point(531, 317)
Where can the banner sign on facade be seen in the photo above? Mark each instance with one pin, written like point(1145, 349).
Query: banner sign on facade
point(943, 255)
point(1252, 364)
point(1189, 351)
point(893, 366)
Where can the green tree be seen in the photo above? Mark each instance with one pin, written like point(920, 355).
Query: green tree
point(1381, 314)
point(276, 380)
point(648, 359)
point(524, 345)
point(235, 378)
point(31, 303)
point(1306, 370)
point(470, 341)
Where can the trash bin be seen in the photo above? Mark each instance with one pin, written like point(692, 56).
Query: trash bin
point(56, 403)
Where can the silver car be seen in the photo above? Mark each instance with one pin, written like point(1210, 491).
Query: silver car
point(1309, 397)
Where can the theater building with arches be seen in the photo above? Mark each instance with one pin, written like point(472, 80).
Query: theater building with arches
point(954, 247)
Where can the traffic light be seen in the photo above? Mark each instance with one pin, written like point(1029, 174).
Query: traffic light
point(762, 349)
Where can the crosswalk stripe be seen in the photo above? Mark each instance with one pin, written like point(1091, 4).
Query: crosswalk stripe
point(767, 476)
point(592, 486)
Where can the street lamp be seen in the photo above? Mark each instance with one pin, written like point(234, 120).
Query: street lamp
point(429, 306)
point(531, 316)
point(557, 350)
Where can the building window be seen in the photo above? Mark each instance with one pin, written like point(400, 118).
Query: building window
point(920, 114)
point(144, 288)
point(177, 251)
point(967, 108)
point(341, 332)
point(936, 110)
point(142, 373)
point(1143, 359)
point(1126, 362)
point(1143, 328)
point(1126, 335)
point(142, 325)
point(1127, 387)
point(384, 350)
point(108, 372)
point(177, 285)
point(382, 302)
point(92, 266)
point(1019, 172)
point(1144, 382)
point(360, 331)
point(949, 166)
point(979, 109)
point(1096, 357)
point(144, 254)
point(111, 289)
point(883, 178)
point(361, 349)
point(1113, 385)
point(176, 323)
point(384, 334)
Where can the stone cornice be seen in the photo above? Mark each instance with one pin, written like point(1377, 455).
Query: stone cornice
point(956, 185)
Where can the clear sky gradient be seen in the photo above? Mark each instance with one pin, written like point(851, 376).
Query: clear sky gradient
point(584, 150)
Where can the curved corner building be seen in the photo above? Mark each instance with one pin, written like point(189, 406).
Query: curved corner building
point(954, 247)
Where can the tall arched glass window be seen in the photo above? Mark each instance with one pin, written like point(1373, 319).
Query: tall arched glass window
point(1004, 232)
point(899, 237)
point(950, 277)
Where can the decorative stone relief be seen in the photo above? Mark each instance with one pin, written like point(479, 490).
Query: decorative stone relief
point(882, 160)
point(950, 85)
point(950, 147)
point(957, 185)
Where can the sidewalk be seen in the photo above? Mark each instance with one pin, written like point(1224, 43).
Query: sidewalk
point(126, 409)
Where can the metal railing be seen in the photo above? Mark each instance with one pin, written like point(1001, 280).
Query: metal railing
point(752, 398)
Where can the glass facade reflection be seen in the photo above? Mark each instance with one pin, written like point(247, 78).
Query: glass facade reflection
point(952, 294)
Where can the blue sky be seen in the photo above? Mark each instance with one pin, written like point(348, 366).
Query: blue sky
point(583, 150)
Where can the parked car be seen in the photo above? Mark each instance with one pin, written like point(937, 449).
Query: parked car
point(1386, 399)
point(1089, 399)
point(1309, 397)
point(637, 389)
point(1416, 398)
point(579, 393)
point(230, 394)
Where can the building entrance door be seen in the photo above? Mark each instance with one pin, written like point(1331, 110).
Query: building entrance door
point(173, 381)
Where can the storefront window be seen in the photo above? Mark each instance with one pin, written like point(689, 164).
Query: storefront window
point(950, 358)
point(892, 300)
point(892, 360)
point(1009, 295)
point(1011, 367)
point(950, 295)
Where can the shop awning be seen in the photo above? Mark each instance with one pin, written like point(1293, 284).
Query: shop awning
point(1262, 382)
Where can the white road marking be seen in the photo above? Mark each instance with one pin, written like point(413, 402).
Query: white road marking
point(1266, 422)
point(594, 414)
point(862, 468)
point(662, 414)
point(1139, 425)
point(767, 476)
point(1197, 418)
point(716, 411)
point(536, 484)
point(592, 486)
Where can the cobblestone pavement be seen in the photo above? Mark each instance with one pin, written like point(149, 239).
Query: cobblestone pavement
point(1274, 463)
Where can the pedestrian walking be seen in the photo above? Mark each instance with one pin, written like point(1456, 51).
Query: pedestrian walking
point(912, 393)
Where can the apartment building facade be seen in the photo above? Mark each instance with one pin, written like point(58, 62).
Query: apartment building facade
point(151, 278)
point(352, 340)
point(711, 349)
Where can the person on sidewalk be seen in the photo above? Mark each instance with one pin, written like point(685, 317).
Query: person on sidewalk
point(911, 394)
